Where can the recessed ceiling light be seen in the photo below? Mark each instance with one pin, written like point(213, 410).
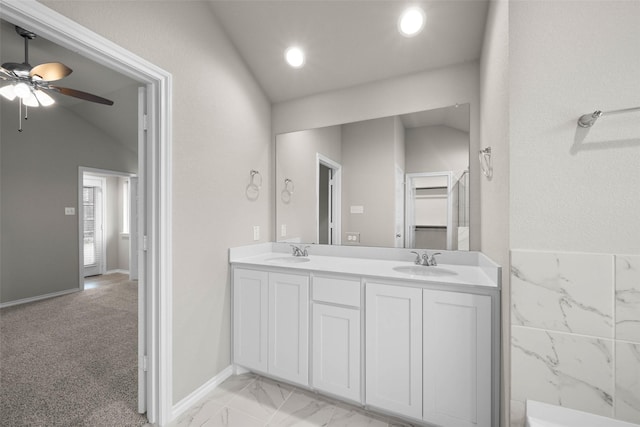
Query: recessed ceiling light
point(294, 56)
point(411, 21)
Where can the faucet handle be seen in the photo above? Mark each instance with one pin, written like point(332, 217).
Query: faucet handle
point(295, 249)
point(304, 251)
point(431, 260)
point(417, 261)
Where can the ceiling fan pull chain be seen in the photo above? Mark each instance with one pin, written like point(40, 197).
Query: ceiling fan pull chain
point(20, 115)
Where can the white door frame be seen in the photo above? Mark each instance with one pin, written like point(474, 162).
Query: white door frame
point(335, 195)
point(157, 179)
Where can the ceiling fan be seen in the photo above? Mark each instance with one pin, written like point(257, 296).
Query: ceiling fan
point(31, 84)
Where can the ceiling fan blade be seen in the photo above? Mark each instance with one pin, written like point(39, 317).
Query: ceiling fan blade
point(6, 74)
point(51, 71)
point(82, 95)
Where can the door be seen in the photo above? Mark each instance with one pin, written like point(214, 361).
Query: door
point(336, 350)
point(250, 318)
point(133, 228)
point(324, 205)
point(289, 327)
point(457, 359)
point(93, 225)
point(394, 348)
point(147, 362)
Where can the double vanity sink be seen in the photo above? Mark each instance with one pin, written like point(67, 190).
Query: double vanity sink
point(455, 268)
point(373, 328)
point(417, 270)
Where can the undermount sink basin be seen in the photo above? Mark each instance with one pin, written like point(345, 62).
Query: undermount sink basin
point(288, 260)
point(422, 270)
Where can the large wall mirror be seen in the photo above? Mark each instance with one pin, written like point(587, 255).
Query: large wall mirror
point(398, 181)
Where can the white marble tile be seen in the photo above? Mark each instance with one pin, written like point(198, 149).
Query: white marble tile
point(303, 410)
point(517, 414)
point(229, 417)
point(628, 298)
point(231, 387)
point(198, 414)
point(627, 403)
point(348, 416)
point(563, 369)
point(261, 398)
point(570, 292)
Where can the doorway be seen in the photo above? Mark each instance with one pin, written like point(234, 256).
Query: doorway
point(107, 221)
point(328, 191)
point(429, 210)
point(154, 172)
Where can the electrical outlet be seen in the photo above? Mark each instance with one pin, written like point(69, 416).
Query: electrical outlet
point(353, 237)
point(283, 230)
point(69, 211)
point(256, 232)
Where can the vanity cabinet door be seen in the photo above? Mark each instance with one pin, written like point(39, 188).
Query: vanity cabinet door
point(457, 359)
point(336, 350)
point(394, 348)
point(250, 308)
point(289, 327)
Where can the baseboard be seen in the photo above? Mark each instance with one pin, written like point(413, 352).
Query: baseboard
point(38, 298)
point(117, 271)
point(185, 404)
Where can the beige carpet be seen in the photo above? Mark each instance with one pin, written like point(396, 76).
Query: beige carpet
point(72, 360)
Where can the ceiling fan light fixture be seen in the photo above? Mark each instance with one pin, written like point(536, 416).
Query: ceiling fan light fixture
point(294, 56)
point(22, 90)
point(43, 98)
point(8, 92)
point(412, 21)
point(30, 100)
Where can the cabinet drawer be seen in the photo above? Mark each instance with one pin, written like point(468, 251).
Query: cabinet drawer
point(334, 290)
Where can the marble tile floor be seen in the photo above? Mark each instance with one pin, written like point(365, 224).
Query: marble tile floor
point(249, 400)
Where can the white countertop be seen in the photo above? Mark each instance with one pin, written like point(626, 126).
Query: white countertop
point(454, 274)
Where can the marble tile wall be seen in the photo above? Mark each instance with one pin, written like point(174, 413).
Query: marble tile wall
point(575, 332)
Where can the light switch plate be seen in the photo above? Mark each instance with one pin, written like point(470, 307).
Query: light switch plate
point(357, 209)
point(69, 211)
point(256, 232)
point(283, 230)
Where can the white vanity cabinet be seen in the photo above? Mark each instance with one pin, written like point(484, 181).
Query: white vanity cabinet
point(250, 318)
point(289, 327)
point(428, 354)
point(421, 344)
point(456, 359)
point(271, 322)
point(394, 348)
point(335, 347)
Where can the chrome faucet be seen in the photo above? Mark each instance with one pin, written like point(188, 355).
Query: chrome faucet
point(425, 259)
point(299, 251)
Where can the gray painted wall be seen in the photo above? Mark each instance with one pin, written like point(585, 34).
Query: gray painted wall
point(436, 149)
point(369, 180)
point(494, 132)
point(39, 172)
